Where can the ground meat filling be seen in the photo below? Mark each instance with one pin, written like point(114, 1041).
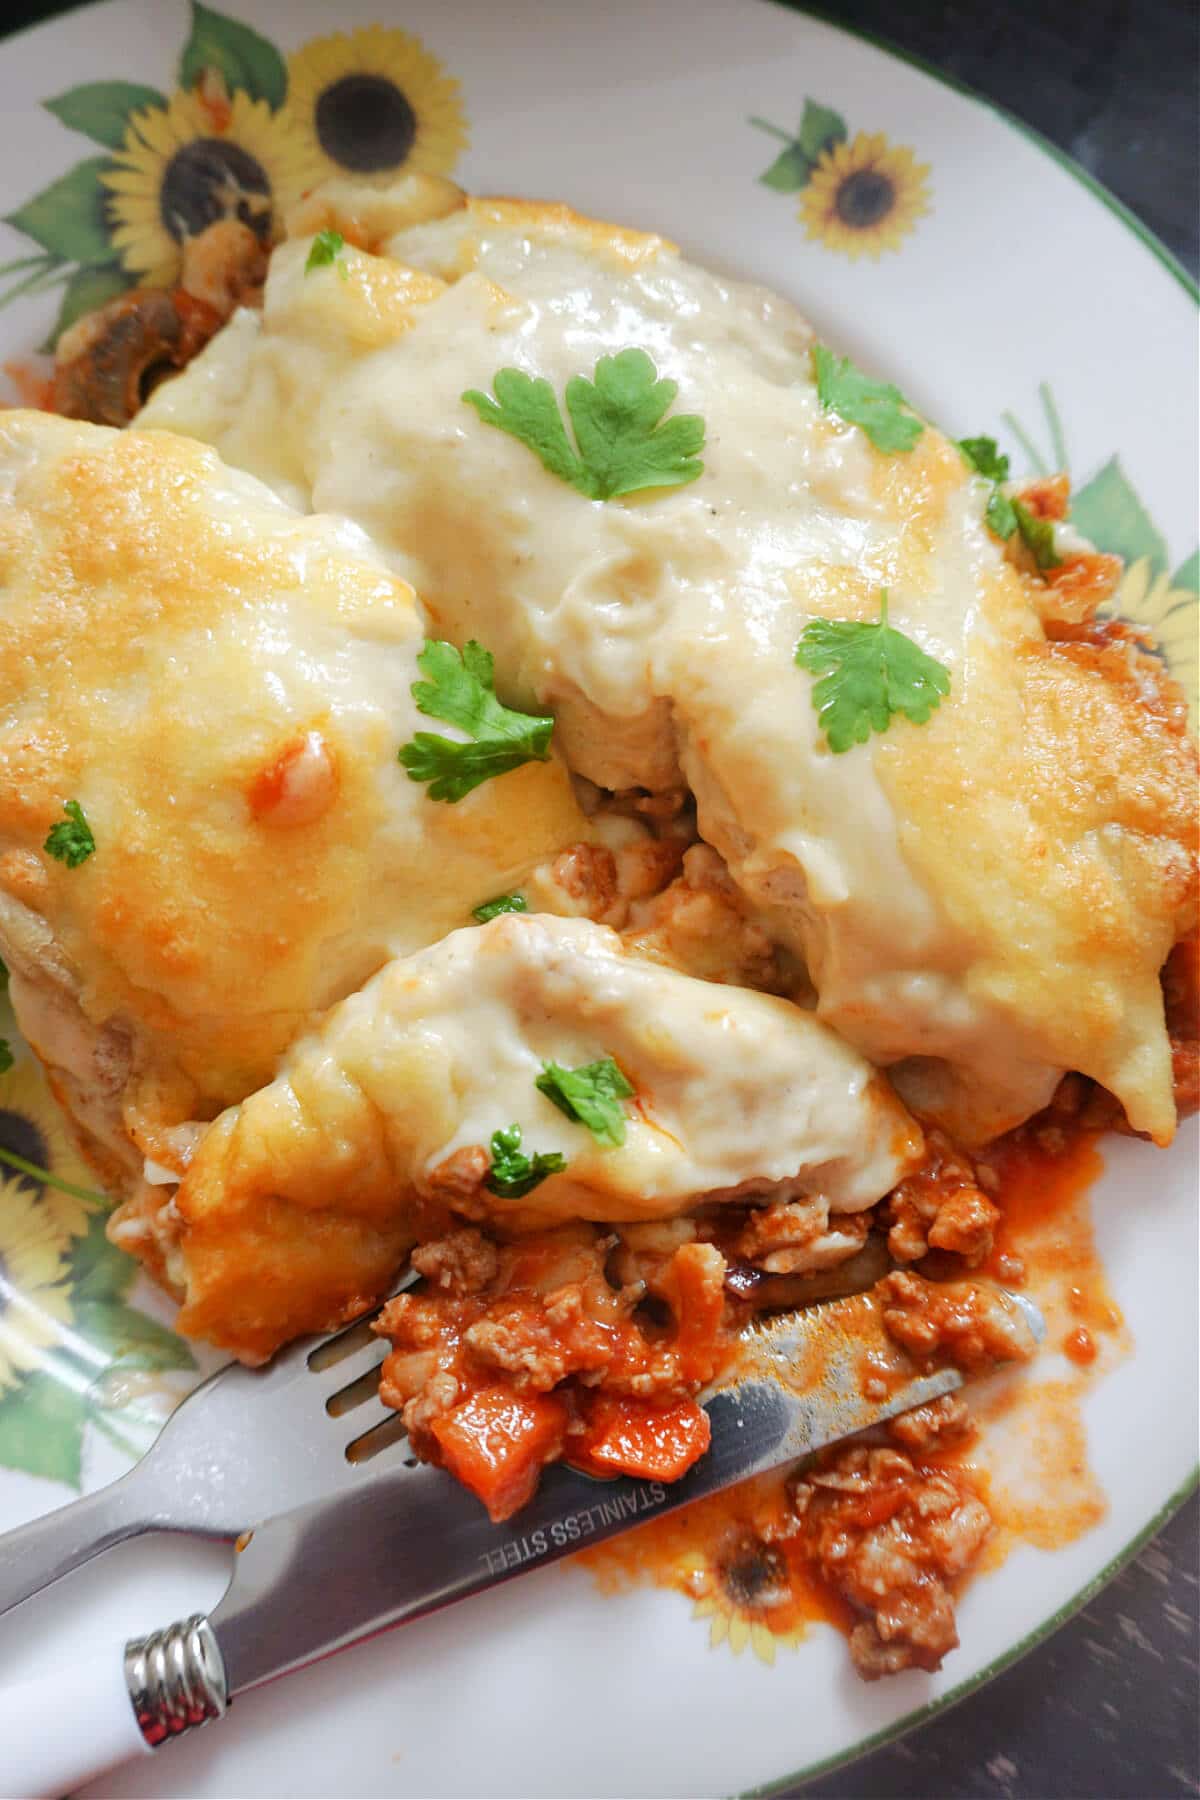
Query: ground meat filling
point(591, 1344)
point(962, 1322)
point(515, 1355)
point(941, 1207)
point(892, 1536)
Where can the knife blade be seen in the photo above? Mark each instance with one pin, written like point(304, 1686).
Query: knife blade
point(312, 1581)
point(339, 1569)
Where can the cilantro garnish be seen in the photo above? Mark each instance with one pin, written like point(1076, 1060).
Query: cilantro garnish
point(591, 1095)
point(326, 248)
point(621, 444)
point(982, 454)
point(881, 409)
point(1001, 514)
point(461, 691)
point(983, 457)
point(6, 1056)
point(1038, 534)
point(1004, 516)
point(514, 1174)
point(71, 840)
point(503, 903)
point(869, 672)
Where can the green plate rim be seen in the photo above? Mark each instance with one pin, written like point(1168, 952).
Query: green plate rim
point(1151, 241)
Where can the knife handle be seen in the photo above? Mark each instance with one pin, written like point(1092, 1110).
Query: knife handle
point(66, 1726)
point(63, 1728)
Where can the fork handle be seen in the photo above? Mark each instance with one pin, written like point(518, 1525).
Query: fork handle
point(34, 1555)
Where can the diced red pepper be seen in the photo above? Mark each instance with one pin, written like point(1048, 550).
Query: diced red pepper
point(698, 1303)
point(497, 1442)
point(656, 1441)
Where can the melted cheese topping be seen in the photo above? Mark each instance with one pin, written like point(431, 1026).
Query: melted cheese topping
point(734, 1091)
point(223, 685)
point(984, 900)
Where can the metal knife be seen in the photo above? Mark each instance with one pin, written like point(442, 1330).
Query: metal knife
point(310, 1581)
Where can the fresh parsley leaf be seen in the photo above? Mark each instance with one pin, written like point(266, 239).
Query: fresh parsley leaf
point(591, 1095)
point(983, 455)
point(881, 409)
point(1001, 516)
point(461, 691)
point(525, 407)
point(1038, 534)
point(71, 840)
point(503, 903)
point(868, 673)
point(513, 1174)
point(621, 443)
point(326, 248)
point(6, 1056)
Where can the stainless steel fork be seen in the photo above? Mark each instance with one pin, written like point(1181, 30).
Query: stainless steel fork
point(244, 1444)
point(341, 1534)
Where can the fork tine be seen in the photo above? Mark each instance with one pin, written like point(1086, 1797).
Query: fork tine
point(321, 1385)
point(381, 1434)
point(355, 1394)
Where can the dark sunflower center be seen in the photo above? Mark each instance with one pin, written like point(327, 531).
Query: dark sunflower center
point(864, 198)
point(211, 179)
point(22, 1137)
point(753, 1574)
point(364, 122)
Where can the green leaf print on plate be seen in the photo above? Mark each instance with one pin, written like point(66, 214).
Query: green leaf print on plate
point(69, 1338)
point(68, 217)
point(102, 109)
point(239, 55)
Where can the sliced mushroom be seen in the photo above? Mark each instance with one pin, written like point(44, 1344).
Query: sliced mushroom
point(110, 361)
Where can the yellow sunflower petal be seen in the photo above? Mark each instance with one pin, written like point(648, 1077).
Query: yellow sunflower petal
point(1172, 616)
point(372, 102)
point(762, 1642)
point(718, 1630)
point(264, 170)
point(32, 1124)
point(34, 1301)
point(1129, 601)
point(865, 196)
point(739, 1634)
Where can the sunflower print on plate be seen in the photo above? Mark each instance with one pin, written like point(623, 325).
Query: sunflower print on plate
point(174, 175)
point(75, 1356)
point(245, 134)
point(858, 197)
point(370, 103)
point(1109, 511)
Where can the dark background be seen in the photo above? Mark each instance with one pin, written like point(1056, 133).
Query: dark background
point(1108, 1708)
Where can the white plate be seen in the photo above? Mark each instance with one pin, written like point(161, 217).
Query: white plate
point(1006, 294)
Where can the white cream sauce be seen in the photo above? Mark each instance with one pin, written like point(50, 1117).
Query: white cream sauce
point(661, 628)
